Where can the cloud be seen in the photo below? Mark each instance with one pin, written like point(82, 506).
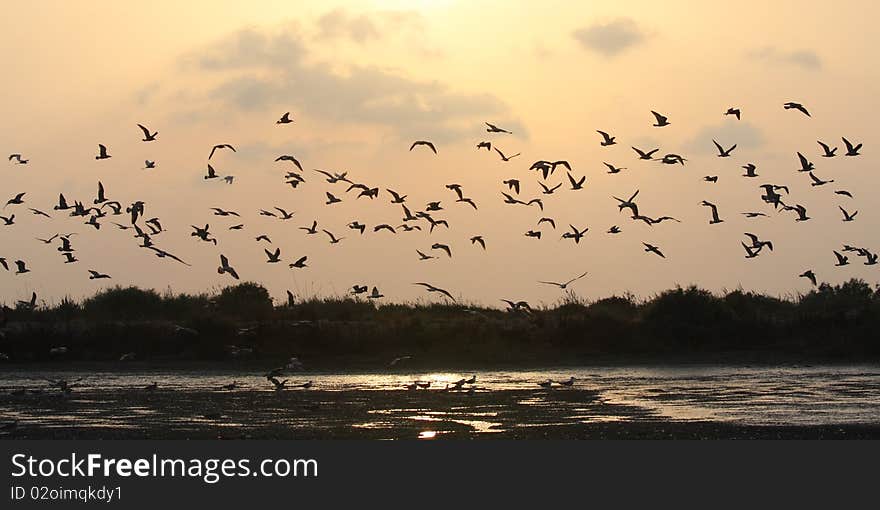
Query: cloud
point(806, 59)
point(365, 27)
point(256, 71)
point(610, 39)
point(744, 134)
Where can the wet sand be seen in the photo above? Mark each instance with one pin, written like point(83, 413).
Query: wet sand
point(364, 414)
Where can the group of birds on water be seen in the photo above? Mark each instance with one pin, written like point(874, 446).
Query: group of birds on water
point(147, 229)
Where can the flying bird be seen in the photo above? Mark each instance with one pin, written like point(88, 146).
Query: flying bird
point(828, 152)
point(300, 263)
point(846, 215)
point(95, 275)
point(722, 152)
point(564, 285)
point(148, 137)
point(715, 219)
point(735, 112)
point(612, 169)
point(653, 249)
point(285, 119)
point(480, 240)
point(18, 159)
point(431, 288)
point(102, 152)
point(851, 150)
point(220, 146)
point(503, 157)
point(495, 129)
point(226, 268)
point(606, 139)
point(661, 120)
point(796, 106)
point(645, 155)
point(425, 143)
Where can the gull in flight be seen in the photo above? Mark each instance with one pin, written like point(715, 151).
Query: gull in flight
point(16, 200)
point(817, 181)
point(722, 152)
point(273, 257)
point(613, 169)
point(847, 216)
point(735, 112)
point(480, 240)
point(333, 239)
point(851, 150)
point(446, 248)
point(503, 157)
point(425, 143)
point(827, 150)
point(211, 173)
point(715, 219)
point(484, 145)
point(220, 146)
point(226, 268)
point(810, 275)
point(18, 159)
point(564, 285)
point(628, 204)
point(102, 152)
point(300, 263)
point(287, 157)
point(148, 137)
point(606, 139)
point(661, 119)
point(375, 294)
point(575, 234)
point(495, 129)
point(431, 288)
point(806, 166)
point(796, 106)
point(645, 155)
point(750, 170)
point(842, 260)
point(653, 249)
point(94, 275)
point(423, 256)
point(285, 119)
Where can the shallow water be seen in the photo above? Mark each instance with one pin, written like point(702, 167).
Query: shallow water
point(782, 395)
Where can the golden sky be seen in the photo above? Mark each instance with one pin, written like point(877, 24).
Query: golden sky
point(364, 79)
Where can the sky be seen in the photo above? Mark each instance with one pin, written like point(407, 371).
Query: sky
point(364, 79)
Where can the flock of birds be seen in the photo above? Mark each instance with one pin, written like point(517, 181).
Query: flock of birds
point(147, 229)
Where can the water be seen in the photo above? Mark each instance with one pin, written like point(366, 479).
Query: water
point(781, 395)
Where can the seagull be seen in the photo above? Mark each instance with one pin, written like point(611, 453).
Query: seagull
point(817, 181)
point(606, 139)
point(354, 225)
point(148, 137)
point(149, 164)
point(237, 227)
point(624, 204)
point(810, 275)
point(612, 169)
point(384, 226)
point(422, 256)
point(285, 119)
point(311, 230)
point(38, 212)
point(333, 239)
point(18, 160)
point(292, 159)
point(751, 251)
point(16, 200)
point(431, 288)
point(715, 219)
point(801, 211)
point(645, 155)
point(222, 212)
point(273, 257)
point(576, 184)
point(331, 199)
point(102, 152)
point(8, 220)
point(438, 246)
point(495, 129)
point(334, 178)
point(100, 198)
point(614, 230)
point(654, 249)
point(753, 214)
point(549, 191)
point(847, 216)
point(757, 243)
point(220, 146)
point(806, 166)
point(551, 221)
point(226, 268)
point(425, 143)
point(512, 184)
point(842, 260)
point(517, 306)
point(575, 234)
point(722, 152)
point(661, 120)
point(375, 294)
point(796, 106)
point(672, 159)
point(535, 234)
point(284, 214)
point(398, 198)
point(844, 193)
point(546, 384)
point(503, 157)
point(94, 275)
point(62, 203)
point(480, 240)
point(263, 237)
point(735, 112)
point(399, 359)
point(211, 173)
point(300, 263)
point(828, 151)
point(750, 170)
point(484, 145)
point(162, 254)
point(850, 149)
point(711, 178)
point(563, 286)
point(358, 289)
point(21, 267)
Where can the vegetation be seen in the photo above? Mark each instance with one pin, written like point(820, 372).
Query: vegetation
point(241, 322)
